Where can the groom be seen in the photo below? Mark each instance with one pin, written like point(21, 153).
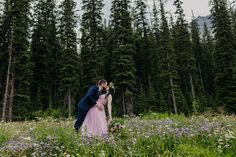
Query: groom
point(88, 101)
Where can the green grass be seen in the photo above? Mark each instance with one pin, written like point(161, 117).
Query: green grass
point(147, 135)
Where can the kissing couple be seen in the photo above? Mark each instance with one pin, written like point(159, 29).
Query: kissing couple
point(91, 116)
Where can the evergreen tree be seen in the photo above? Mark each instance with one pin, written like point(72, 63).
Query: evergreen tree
point(5, 33)
point(7, 69)
point(197, 48)
point(198, 55)
point(54, 47)
point(155, 44)
point(148, 100)
point(45, 48)
point(171, 97)
point(123, 53)
point(108, 43)
point(155, 24)
point(92, 48)
point(208, 61)
point(186, 60)
point(15, 46)
point(224, 56)
point(233, 19)
point(23, 64)
point(68, 58)
point(143, 54)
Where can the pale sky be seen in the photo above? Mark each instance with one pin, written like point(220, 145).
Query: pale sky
point(199, 7)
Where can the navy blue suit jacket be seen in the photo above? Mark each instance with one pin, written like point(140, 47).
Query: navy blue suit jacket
point(89, 99)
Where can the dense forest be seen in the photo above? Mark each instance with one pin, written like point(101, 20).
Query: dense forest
point(50, 55)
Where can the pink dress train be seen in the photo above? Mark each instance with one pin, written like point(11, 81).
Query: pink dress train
point(95, 123)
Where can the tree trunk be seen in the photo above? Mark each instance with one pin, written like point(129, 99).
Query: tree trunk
point(4, 108)
point(172, 90)
point(191, 84)
point(9, 89)
point(12, 84)
point(129, 107)
point(55, 96)
point(201, 78)
point(149, 85)
point(173, 95)
point(50, 95)
point(69, 102)
point(123, 101)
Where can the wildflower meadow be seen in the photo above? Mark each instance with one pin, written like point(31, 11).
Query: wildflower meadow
point(149, 135)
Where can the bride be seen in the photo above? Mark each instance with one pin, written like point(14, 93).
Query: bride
point(95, 123)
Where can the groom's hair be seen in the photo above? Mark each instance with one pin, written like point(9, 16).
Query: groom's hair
point(100, 82)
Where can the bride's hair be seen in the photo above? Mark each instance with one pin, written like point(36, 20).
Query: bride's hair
point(111, 90)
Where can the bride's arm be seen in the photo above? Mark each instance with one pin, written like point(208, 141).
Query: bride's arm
point(109, 107)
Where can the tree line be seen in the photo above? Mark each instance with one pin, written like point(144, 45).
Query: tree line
point(158, 63)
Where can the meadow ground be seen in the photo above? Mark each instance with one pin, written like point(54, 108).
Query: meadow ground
point(151, 135)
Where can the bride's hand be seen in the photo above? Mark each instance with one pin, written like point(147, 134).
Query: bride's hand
point(109, 119)
point(99, 106)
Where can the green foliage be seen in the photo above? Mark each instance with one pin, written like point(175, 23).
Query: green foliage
point(45, 48)
point(153, 134)
point(5, 136)
point(189, 150)
point(123, 67)
point(208, 61)
point(68, 59)
point(23, 65)
point(143, 46)
point(185, 57)
point(224, 56)
point(92, 48)
point(14, 34)
point(50, 112)
point(158, 65)
point(153, 115)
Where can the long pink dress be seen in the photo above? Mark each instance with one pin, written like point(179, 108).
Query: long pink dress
point(95, 123)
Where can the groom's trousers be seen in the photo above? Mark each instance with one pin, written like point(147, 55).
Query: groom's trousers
point(81, 114)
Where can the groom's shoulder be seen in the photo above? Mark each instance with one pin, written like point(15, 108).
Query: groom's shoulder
point(93, 87)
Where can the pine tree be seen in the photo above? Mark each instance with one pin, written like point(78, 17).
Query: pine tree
point(186, 60)
point(143, 54)
point(198, 55)
point(92, 48)
point(169, 87)
point(148, 100)
point(208, 61)
point(108, 43)
point(68, 58)
point(15, 44)
point(45, 47)
point(53, 40)
point(7, 67)
point(224, 56)
point(5, 33)
point(23, 64)
point(123, 53)
point(197, 48)
point(155, 24)
point(233, 19)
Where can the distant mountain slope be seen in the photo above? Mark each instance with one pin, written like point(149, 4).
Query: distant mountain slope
point(204, 19)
